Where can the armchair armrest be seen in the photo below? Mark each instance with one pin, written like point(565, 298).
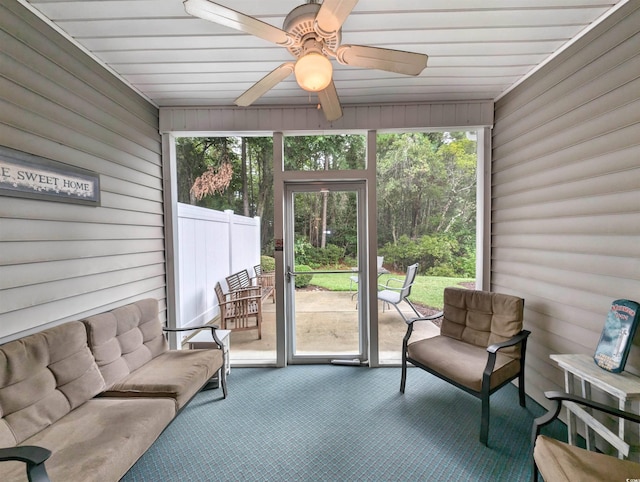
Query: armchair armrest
point(213, 329)
point(386, 286)
point(435, 316)
point(492, 350)
point(407, 335)
point(248, 291)
point(31, 455)
point(257, 296)
point(559, 397)
point(513, 341)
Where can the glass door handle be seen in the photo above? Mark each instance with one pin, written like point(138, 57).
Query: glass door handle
point(290, 274)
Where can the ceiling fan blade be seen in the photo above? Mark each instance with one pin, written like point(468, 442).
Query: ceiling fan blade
point(330, 102)
point(265, 84)
point(332, 15)
point(230, 18)
point(409, 63)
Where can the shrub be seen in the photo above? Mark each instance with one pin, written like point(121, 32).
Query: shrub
point(349, 261)
point(329, 256)
point(438, 255)
point(268, 263)
point(303, 280)
point(302, 251)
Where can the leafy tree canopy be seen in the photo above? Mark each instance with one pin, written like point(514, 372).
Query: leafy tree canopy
point(426, 192)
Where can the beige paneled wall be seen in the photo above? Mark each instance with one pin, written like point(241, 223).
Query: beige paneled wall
point(59, 261)
point(566, 194)
point(437, 115)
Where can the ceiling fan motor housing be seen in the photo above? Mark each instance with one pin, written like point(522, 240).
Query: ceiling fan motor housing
point(301, 23)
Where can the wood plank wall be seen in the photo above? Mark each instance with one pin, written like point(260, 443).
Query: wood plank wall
point(62, 261)
point(566, 194)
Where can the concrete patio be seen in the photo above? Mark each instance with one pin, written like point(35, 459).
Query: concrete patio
point(326, 323)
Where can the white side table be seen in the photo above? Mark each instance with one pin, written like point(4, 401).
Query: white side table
point(623, 386)
point(204, 340)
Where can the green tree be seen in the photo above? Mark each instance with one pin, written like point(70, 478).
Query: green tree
point(426, 199)
point(426, 193)
point(247, 161)
point(317, 214)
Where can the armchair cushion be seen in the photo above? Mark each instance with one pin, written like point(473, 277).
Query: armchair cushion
point(462, 362)
point(559, 462)
point(482, 318)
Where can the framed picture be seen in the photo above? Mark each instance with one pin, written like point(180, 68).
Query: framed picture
point(617, 335)
point(34, 177)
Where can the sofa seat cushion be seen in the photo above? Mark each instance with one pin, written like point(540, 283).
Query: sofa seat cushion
point(178, 374)
point(43, 377)
point(124, 339)
point(461, 362)
point(98, 441)
point(558, 462)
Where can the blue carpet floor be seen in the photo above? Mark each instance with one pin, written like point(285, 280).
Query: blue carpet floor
point(341, 423)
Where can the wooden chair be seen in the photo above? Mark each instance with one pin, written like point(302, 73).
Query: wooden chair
point(560, 462)
point(241, 280)
point(266, 281)
point(238, 281)
point(239, 307)
point(481, 346)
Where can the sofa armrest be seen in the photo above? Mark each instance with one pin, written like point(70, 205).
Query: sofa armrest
point(213, 329)
point(34, 457)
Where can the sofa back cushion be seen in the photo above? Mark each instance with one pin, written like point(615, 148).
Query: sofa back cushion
point(42, 378)
point(124, 339)
point(482, 318)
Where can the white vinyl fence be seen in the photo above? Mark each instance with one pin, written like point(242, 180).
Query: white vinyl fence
point(211, 246)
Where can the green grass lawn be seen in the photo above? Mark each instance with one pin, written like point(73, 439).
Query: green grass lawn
point(427, 290)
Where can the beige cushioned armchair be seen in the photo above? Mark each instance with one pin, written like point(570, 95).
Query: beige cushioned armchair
point(481, 346)
point(560, 462)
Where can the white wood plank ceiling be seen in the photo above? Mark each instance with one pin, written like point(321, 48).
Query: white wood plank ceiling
point(477, 49)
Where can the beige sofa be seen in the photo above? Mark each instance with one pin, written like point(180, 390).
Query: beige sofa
point(95, 393)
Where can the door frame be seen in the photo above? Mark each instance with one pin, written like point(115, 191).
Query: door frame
point(290, 189)
point(368, 176)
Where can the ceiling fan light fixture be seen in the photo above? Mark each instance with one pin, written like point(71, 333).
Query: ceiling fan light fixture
point(313, 72)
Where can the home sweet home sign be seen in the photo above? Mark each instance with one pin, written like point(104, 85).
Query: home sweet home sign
point(26, 175)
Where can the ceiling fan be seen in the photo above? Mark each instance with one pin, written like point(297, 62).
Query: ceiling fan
point(312, 33)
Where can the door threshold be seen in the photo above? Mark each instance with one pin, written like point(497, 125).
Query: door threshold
point(354, 362)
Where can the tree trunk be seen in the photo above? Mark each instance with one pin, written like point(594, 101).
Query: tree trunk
point(325, 201)
point(245, 186)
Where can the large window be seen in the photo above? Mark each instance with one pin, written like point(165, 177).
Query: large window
point(426, 191)
point(233, 173)
point(426, 213)
point(324, 152)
